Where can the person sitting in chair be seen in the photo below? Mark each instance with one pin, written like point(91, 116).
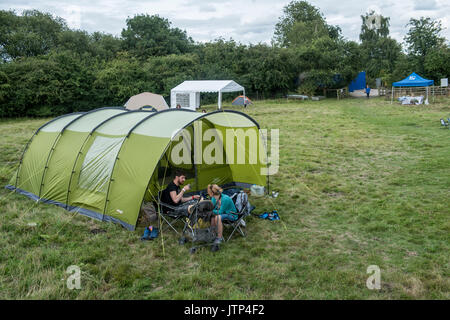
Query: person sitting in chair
point(173, 196)
point(224, 209)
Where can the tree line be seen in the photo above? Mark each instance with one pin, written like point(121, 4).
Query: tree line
point(48, 69)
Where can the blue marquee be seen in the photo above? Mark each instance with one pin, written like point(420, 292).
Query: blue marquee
point(413, 80)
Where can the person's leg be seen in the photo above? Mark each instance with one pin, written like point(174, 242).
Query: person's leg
point(217, 222)
point(221, 218)
point(183, 208)
point(214, 221)
point(219, 227)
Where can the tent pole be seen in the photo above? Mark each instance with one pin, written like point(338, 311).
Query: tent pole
point(194, 150)
point(220, 100)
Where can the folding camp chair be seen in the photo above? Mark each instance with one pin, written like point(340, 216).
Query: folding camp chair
point(239, 223)
point(445, 124)
point(169, 214)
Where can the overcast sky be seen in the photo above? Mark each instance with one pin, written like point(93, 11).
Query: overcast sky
point(246, 21)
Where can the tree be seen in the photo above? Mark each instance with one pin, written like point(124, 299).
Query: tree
point(147, 36)
point(166, 72)
point(52, 84)
point(437, 64)
point(105, 46)
point(328, 64)
point(300, 23)
point(323, 58)
point(423, 37)
point(380, 52)
point(32, 34)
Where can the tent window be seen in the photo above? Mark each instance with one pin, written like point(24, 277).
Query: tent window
point(98, 163)
point(183, 100)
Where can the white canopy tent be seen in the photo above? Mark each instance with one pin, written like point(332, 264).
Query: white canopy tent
point(187, 94)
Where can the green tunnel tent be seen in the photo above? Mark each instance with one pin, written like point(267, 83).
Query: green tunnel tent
point(105, 162)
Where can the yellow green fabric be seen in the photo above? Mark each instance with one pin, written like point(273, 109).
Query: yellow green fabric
point(105, 162)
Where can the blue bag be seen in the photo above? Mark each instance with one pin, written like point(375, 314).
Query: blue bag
point(150, 233)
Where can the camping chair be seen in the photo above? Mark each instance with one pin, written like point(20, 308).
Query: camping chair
point(445, 124)
point(242, 213)
point(169, 214)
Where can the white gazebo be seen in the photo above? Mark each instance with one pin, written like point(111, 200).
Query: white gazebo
point(187, 94)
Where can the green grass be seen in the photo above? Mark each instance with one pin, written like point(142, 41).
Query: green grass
point(361, 183)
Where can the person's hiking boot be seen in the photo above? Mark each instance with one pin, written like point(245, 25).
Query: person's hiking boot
point(218, 241)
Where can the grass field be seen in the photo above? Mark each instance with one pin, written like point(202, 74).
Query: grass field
point(361, 182)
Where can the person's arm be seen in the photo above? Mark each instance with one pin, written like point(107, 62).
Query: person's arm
point(179, 197)
point(215, 210)
point(225, 206)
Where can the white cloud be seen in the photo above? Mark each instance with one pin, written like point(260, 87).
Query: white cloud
point(425, 5)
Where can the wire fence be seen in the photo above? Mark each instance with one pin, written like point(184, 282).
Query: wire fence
point(432, 92)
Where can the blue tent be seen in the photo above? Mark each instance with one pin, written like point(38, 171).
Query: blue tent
point(413, 80)
point(359, 83)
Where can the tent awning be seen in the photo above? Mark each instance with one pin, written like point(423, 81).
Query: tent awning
point(413, 80)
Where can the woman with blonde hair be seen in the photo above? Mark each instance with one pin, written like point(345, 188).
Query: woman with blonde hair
point(224, 209)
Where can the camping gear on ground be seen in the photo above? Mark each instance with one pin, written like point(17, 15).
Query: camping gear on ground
point(150, 233)
point(241, 101)
point(297, 96)
point(257, 190)
point(201, 236)
point(103, 163)
point(147, 214)
point(270, 215)
point(239, 197)
point(405, 100)
point(194, 231)
point(146, 100)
